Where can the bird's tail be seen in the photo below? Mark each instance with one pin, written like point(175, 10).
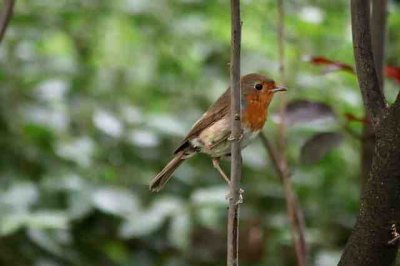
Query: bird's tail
point(159, 181)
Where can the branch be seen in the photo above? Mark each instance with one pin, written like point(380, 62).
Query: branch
point(5, 16)
point(378, 34)
point(294, 212)
point(279, 159)
point(236, 163)
point(373, 98)
point(282, 96)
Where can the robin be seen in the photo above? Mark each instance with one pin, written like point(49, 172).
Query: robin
point(210, 134)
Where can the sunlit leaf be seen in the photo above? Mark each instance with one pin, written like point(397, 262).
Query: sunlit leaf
point(21, 196)
point(107, 123)
point(79, 150)
point(210, 196)
point(47, 240)
point(312, 14)
point(148, 220)
point(144, 138)
point(179, 232)
point(52, 91)
point(42, 219)
point(10, 223)
point(79, 204)
point(115, 201)
point(47, 219)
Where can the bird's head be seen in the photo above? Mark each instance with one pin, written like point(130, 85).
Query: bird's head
point(257, 84)
point(259, 89)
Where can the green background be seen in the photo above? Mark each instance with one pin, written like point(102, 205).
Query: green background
point(95, 95)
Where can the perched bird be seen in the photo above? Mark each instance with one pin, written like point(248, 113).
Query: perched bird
point(210, 134)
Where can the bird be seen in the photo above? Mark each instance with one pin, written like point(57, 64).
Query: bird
point(211, 133)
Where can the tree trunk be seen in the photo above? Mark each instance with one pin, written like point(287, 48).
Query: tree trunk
point(370, 242)
point(380, 201)
point(367, 152)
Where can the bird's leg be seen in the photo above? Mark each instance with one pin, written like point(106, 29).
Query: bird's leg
point(225, 177)
point(220, 171)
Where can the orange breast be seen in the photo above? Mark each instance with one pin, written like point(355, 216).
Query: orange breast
point(254, 112)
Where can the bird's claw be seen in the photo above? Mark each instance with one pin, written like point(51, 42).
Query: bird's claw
point(232, 138)
point(229, 197)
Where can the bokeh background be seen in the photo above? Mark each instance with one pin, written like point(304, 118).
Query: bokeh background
point(95, 95)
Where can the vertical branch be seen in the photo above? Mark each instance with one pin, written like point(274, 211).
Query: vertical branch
point(278, 158)
point(373, 98)
point(281, 53)
point(5, 16)
point(378, 35)
point(292, 205)
point(236, 162)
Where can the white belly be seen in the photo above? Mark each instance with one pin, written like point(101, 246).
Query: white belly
point(224, 147)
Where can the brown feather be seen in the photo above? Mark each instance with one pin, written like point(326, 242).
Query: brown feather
point(159, 181)
point(216, 111)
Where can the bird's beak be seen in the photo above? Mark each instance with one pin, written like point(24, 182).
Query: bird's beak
point(279, 88)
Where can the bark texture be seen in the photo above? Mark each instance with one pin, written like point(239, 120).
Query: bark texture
point(380, 200)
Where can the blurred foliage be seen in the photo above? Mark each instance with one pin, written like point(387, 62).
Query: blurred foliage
point(96, 94)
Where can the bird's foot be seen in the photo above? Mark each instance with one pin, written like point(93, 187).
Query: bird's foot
point(232, 138)
point(229, 197)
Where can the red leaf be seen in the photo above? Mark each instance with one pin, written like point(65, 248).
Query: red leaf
point(393, 72)
point(352, 118)
point(333, 65)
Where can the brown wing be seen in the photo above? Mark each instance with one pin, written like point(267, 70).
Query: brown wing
point(216, 111)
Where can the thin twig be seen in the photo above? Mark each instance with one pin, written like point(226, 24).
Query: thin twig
point(236, 131)
point(282, 96)
point(5, 16)
point(294, 212)
point(279, 159)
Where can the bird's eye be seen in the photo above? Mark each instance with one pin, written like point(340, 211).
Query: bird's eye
point(258, 86)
